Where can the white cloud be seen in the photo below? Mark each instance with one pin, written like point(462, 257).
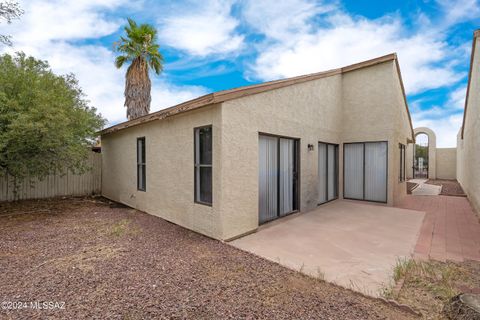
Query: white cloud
point(459, 10)
point(456, 99)
point(445, 128)
point(202, 28)
point(339, 39)
point(44, 21)
point(444, 120)
point(281, 19)
point(46, 31)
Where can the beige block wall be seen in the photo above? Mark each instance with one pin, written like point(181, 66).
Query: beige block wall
point(446, 163)
point(469, 157)
point(170, 170)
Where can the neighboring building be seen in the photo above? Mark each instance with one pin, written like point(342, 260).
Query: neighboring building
point(226, 162)
point(468, 139)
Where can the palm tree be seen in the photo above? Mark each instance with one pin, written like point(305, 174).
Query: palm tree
point(139, 47)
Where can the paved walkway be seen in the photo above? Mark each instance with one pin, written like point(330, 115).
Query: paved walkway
point(425, 189)
point(450, 230)
point(351, 243)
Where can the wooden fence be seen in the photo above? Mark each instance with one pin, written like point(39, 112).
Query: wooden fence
point(57, 185)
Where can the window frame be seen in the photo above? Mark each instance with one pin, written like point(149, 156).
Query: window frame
point(386, 171)
point(197, 165)
point(402, 175)
point(142, 164)
point(336, 182)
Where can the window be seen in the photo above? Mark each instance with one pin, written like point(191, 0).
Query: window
point(278, 188)
point(402, 162)
point(141, 169)
point(365, 171)
point(327, 172)
point(203, 165)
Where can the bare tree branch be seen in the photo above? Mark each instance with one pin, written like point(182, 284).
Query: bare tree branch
point(9, 11)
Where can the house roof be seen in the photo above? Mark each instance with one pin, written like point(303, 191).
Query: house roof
point(226, 95)
point(476, 34)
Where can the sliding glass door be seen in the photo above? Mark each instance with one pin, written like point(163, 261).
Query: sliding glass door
point(278, 183)
point(327, 172)
point(365, 171)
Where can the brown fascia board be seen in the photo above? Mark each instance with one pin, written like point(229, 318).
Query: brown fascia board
point(222, 96)
point(476, 34)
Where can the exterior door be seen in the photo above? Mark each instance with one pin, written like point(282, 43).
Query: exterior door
point(278, 177)
point(327, 172)
point(365, 171)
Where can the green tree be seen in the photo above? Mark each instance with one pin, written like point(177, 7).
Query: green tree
point(46, 125)
point(421, 152)
point(140, 49)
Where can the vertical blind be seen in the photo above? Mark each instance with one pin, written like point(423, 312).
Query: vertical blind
point(268, 168)
point(332, 163)
point(286, 175)
point(353, 173)
point(365, 176)
point(322, 173)
point(327, 172)
point(376, 171)
point(277, 182)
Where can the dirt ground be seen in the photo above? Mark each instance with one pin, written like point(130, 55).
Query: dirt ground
point(449, 187)
point(113, 262)
point(427, 286)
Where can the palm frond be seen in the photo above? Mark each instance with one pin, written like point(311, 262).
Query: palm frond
point(139, 46)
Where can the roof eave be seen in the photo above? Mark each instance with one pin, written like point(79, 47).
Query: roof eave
point(236, 93)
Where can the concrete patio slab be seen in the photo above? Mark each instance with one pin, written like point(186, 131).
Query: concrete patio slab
point(350, 243)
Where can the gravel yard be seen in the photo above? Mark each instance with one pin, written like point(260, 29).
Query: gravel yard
point(449, 187)
point(114, 262)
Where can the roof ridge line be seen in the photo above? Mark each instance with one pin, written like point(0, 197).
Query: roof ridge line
point(234, 93)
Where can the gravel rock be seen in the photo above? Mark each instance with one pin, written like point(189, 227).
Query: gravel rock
point(110, 262)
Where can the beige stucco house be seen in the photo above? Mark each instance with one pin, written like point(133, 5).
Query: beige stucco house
point(468, 139)
point(226, 162)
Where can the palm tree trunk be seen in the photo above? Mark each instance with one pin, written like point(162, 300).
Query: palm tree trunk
point(137, 89)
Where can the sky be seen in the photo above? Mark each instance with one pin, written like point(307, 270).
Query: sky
point(212, 45)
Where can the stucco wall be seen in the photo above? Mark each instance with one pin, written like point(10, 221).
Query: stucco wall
point(460, 159)
point(169, 167)
point(354, 107)
point(374, 110)
point(358, 106)
point(310, 111)
point(446, 163)
point(470, 153)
